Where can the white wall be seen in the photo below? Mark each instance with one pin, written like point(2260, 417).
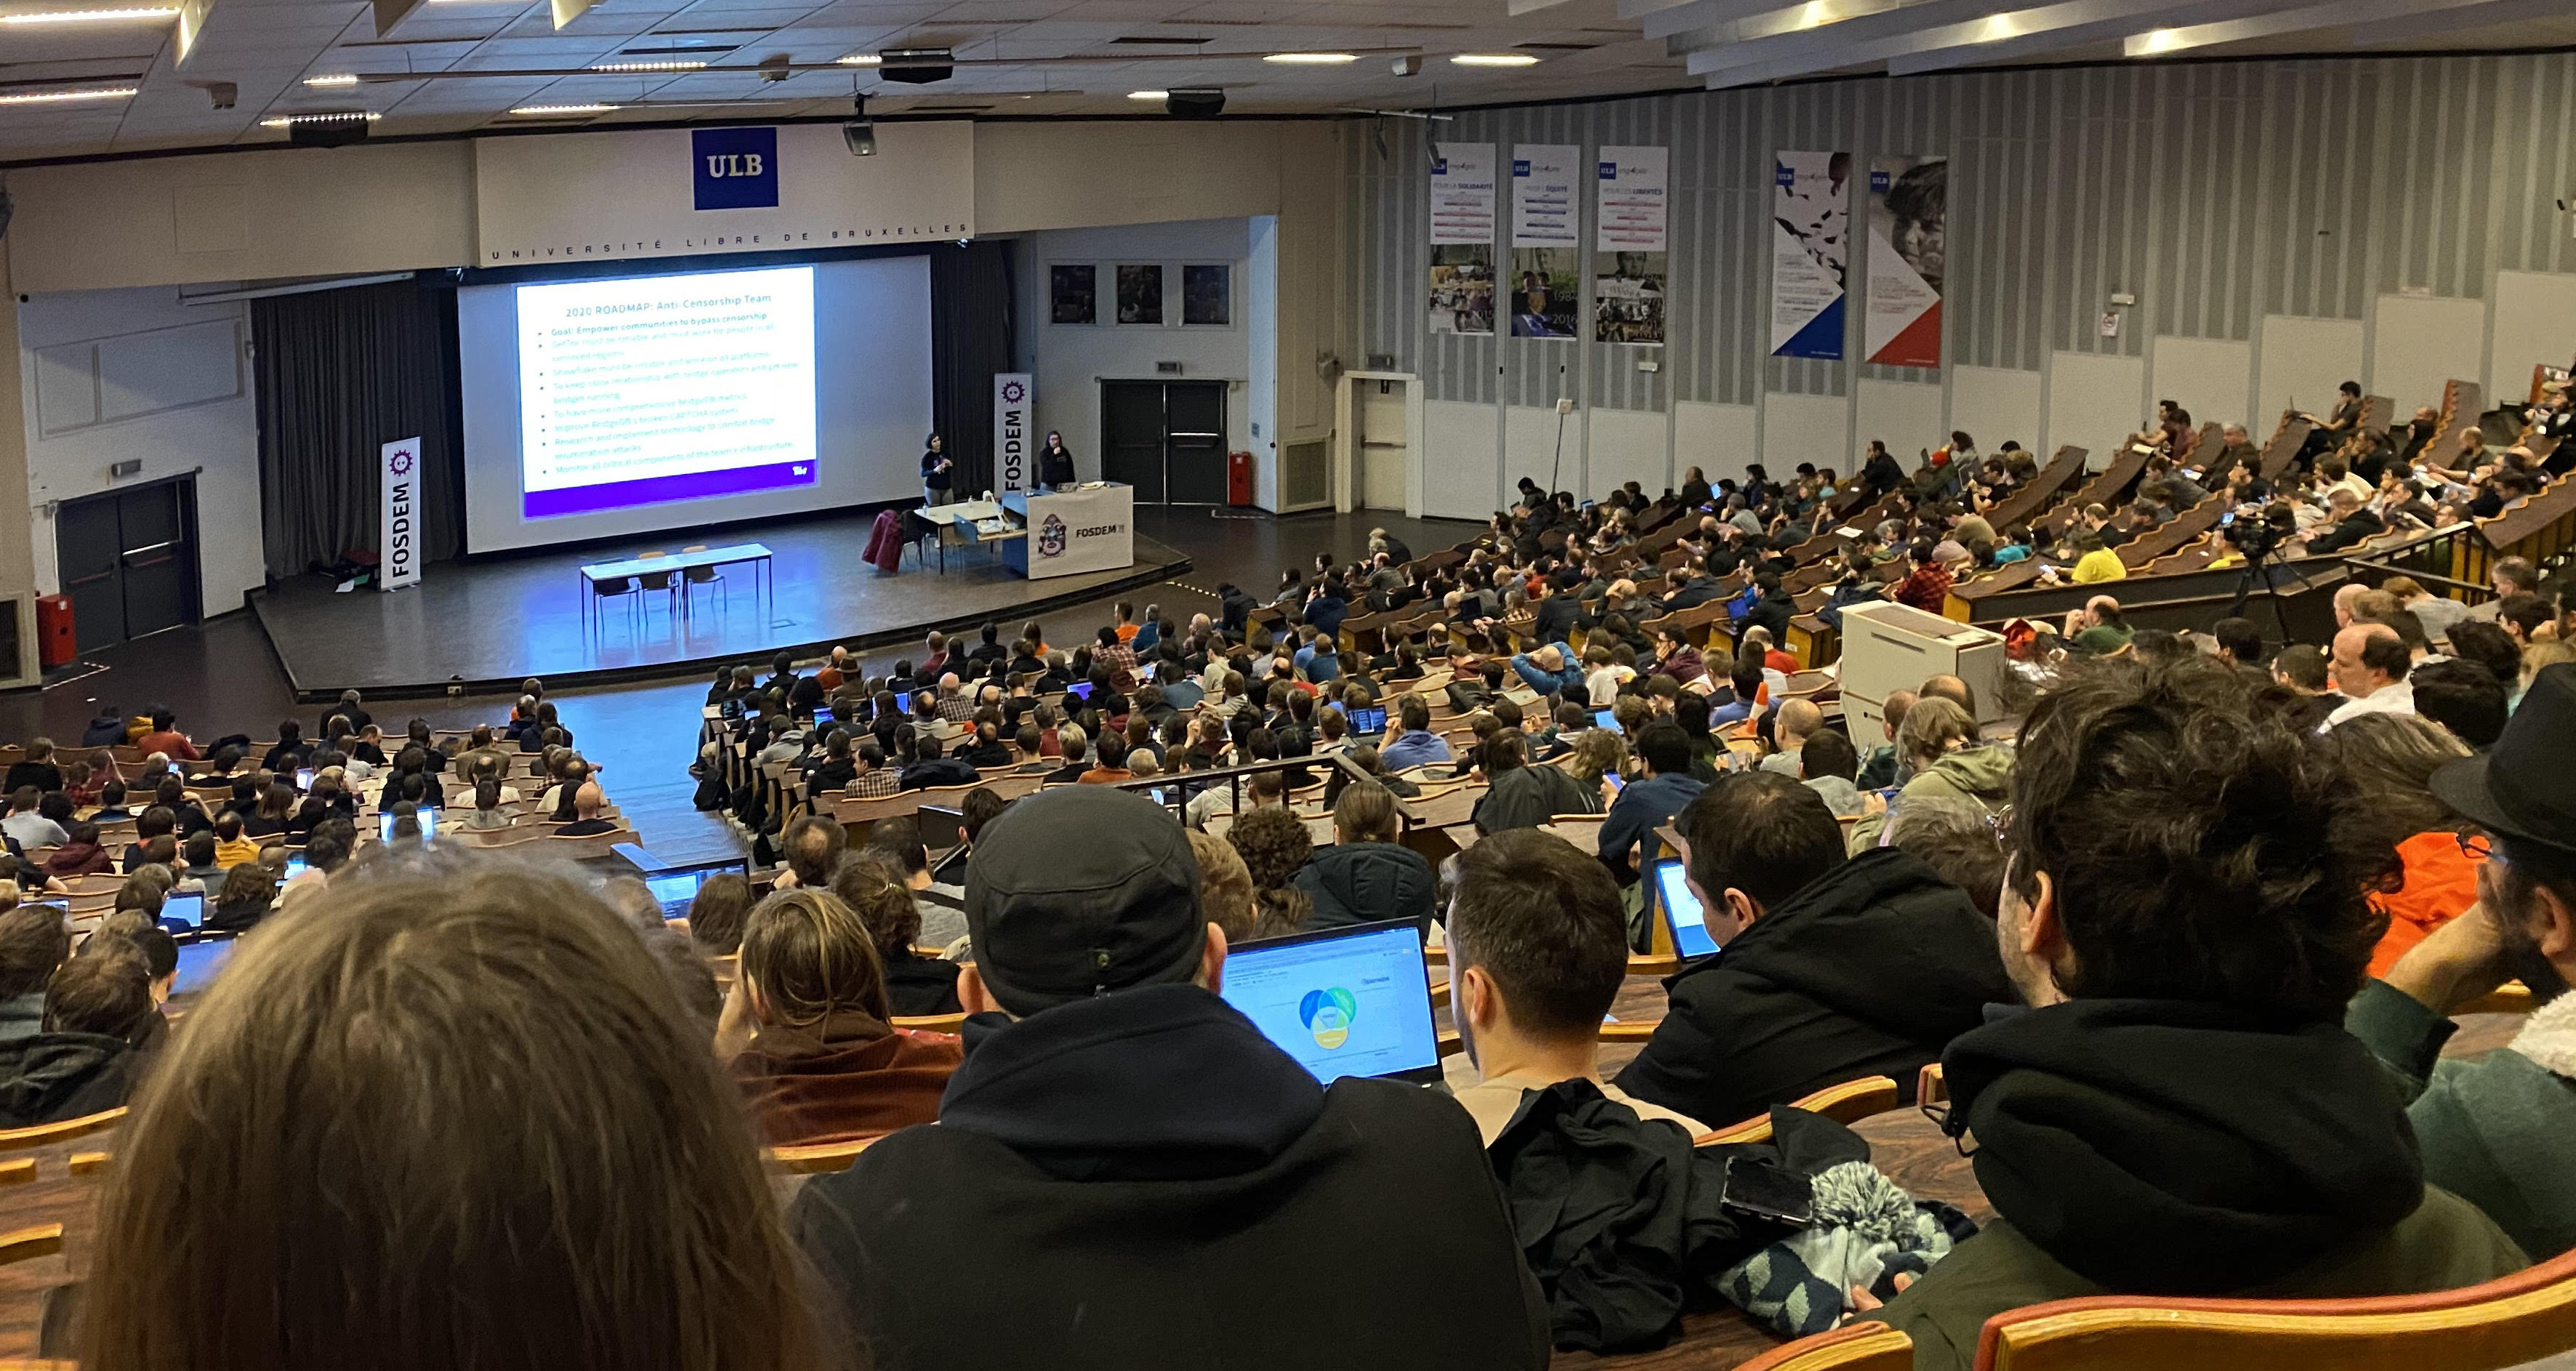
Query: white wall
point(2094, 401)
point(2302, 361)
point(2535, 322)
point(2211, 377)
point(1459, 443)
point(1625, 445)
point(1907, 417)
point(2419, 345)
point(1071, 360)
point(1808, 428)
point(117, 375)
point(1718, 439)
point(1997, 405)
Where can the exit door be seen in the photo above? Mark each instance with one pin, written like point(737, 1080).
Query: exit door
point(128, 560)
point(1165, 438)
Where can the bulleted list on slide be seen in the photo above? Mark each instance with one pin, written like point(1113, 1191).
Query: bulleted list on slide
point(657, 388)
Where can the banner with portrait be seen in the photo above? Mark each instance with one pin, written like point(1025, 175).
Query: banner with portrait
point(1547, 242)
point(1463, 215)
point(1909, 213)
point(1810, 253)
point(1629, 259)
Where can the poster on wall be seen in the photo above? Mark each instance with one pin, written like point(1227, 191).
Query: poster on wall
point(1463, 215)
point(1909, 215)
point(1629, 247)
point(1547, 242)
point(1810, 252)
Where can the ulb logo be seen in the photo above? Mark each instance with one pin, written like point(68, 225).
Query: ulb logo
point(734, 168)
point(1051, 537)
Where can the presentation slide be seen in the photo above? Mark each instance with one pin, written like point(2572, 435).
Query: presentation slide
point(611, 407)
point(664, 388)
point(1352, 1006)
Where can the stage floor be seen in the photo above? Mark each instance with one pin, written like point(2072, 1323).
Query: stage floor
point(485, 626)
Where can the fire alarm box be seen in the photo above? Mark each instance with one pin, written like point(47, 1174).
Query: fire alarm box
point(1238, 478)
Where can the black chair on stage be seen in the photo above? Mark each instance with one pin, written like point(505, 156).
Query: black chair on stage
point(604, 589)
point(693, 577)
point(665, 583)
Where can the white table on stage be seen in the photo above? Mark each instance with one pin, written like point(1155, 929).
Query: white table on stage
point(1083, 528)
point(967, 523)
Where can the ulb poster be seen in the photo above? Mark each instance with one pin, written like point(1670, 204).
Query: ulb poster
point(1629, 263)
point(1810, 253)
point(1462, 238)
point(1909, 213)
point(1547, 242)
point(1547, 298)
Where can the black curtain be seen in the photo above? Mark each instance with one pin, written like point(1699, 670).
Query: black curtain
point(972, 338)
point(339, 373)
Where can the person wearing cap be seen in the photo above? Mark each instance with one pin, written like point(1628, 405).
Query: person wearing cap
point(1134, 1176)
point(2499, 1130)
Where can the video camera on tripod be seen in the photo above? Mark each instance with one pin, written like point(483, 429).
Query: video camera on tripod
point(2261, 536)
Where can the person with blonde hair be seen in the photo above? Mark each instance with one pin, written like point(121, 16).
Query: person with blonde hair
point(456, 1118)
point(1938, 749)
point(824, 1063)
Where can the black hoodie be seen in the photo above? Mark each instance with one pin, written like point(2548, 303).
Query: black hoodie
point(1363, 883)
point(50, 1077)
point(1142, 1181)
point(1869, 970)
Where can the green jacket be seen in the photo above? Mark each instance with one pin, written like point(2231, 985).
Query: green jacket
point(2443, 1245)
point(2500, 1131)
point(1982, 774)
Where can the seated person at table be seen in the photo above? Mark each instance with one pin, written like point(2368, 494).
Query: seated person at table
point(1365, 877)
point(587, 803)
point(486, 812)
point(98, 1006)
point(824, 1064)
point(1538, 948)
point(881, 894)
point(1651, 802)
point(2499, 1130)
point(1829, 969)
point(1171, 1189)
point(2179, 1111)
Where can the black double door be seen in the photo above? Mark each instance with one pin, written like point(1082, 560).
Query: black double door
point(129, 560)
point(1165, 438)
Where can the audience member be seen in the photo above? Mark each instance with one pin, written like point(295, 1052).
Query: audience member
point(1365, 877)
point(98, 1007)
point(33, 942)
point(877, 891)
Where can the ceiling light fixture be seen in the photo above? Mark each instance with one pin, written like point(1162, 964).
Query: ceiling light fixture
point(2159, 40)
point(1311, 59)
point(1998, 28)
point(336, 116)
point(648, 66)
point(1149, 95)
point(862, 59)
point(132, 14)
point(1494, 59)
point(64, 97)
point(343, 79)
point(539, 111)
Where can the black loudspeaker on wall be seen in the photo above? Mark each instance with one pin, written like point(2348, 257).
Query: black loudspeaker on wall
point(1194, 104)
point(326, 133)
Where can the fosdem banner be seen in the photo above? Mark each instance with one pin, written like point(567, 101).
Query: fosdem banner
point(1015, 398)
point(1628, 249)
point(1463, 217)
point(1547, 241)
point(1810, 252)
point(1909, 213)
point(398, 553)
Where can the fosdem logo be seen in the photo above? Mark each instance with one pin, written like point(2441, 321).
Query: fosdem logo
point(1051, 537)
point(1013, 392)
point(400, 462)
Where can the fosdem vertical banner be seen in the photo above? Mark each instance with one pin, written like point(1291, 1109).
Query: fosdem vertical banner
point(1629, 260)
point(1462, 238)
point(1810, 252)
point(1909, 215)
point(1547, 241)
point(398, 552)
point(1015, 398)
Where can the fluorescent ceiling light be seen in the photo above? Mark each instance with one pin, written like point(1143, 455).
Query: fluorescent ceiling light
point(1149, 95)
point(1494, 59)
point(337, 116)
point(1998, 27)
point(1311, 59)
point(2160, 40)
point(563, 109)
point(63, 97)
point(862, 59)
point(648, 66)
point(344, 79)
point(100, 16)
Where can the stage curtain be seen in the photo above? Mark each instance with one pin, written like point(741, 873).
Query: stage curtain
point(972, 337)
point(338, 374)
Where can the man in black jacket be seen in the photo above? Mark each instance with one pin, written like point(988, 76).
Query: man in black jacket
point(1828, 969)
point(1126, 1175)
point(1366, 876)
point(96, 1008)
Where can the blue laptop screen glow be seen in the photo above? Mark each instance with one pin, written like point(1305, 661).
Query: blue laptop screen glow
point(198, 964)
point(1688, 922)
point(1357, 1004)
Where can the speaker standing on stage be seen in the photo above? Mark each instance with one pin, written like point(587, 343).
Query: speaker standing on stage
point(935, 469)
point(1055, 465)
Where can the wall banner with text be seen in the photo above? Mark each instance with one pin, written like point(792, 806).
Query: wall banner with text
point(1547, 241)
point(1015, 400)
point(1463, 215)
point(1810, 252)
point(1629, 259)
point(1909, 214)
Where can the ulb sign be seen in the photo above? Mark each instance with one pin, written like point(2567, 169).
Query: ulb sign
point(734, 168)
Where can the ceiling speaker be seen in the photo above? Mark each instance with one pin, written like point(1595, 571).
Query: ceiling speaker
point(1194, 104)
point(915, 66)
point(326, 133)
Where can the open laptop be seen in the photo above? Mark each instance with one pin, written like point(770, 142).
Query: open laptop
point(200, 958)
point(1683, 918)
point(1368, 721)
point(1609, 719)
point(1350, 1001)
point(183, 913)
point(428, 816)
point(677, 886)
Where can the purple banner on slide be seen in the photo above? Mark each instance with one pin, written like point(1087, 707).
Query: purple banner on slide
point(654, 490)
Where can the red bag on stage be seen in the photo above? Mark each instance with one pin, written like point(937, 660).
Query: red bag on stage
point(885, 545)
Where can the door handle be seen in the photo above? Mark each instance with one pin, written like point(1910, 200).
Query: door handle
point(1198, 435)
point(163, 546)
point(89, 580)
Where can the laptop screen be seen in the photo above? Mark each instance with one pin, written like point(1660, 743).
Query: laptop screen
point(428, 824)
point(183, 913)
point(198, 963)
point(1603, 718)
point(1683, 917)
point(676, 890)
point(1345, 1002)
point(942, 830)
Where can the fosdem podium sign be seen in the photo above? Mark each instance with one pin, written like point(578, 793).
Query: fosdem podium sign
point(1015, 399)
point(398, 554)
